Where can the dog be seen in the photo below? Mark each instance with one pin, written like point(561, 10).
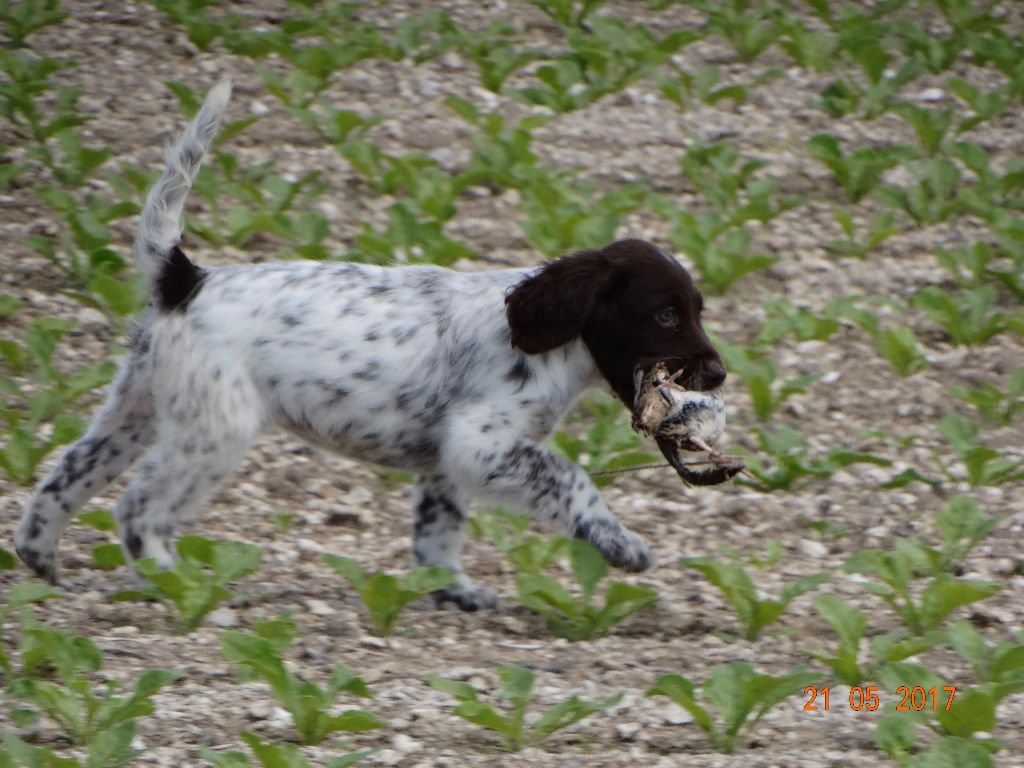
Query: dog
point(458, 377)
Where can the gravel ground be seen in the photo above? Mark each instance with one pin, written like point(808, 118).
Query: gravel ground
point(125, 51)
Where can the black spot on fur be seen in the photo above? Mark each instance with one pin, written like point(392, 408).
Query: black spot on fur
point(520, 372)
point(178, 283)
point(133, 542)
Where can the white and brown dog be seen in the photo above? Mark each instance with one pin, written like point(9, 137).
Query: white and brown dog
point(458, 377)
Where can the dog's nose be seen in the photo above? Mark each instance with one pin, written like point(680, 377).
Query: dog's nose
point(713, 374)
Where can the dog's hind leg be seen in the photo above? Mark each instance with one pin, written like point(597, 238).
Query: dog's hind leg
point(440, 529)
point(120, 431)
point(203, 433)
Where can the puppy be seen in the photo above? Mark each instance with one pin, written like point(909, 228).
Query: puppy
point(457, 377)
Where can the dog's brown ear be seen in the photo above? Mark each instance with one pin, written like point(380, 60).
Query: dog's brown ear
point(551, 307)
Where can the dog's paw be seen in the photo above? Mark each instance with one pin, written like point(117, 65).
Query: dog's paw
point(620, 547)
point(43, 564)
point(466, 597)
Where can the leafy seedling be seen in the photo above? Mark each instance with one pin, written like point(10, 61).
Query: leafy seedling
point(880, 227)
point(887, 649)
point(791, 464)
point(996, 406)
point(507, 532)
point(198, 581)
point(104, 556)
point(512, 728)
point(385, 595)
point(270, 755)
point(968, 316)
point(962, 525)
point(91, 716)
point(740, 695)
point(21, 19)
point(19, 595)
point(857, 172)
point(767, 392)
point(46, 401)
point(754, 612)
point(258, 656)
point(896, 569)
point(1000, 663)
point(608, 445)
point(983, 465)
point(577, 618)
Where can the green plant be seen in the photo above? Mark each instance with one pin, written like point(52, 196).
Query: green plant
point(512, 728)
point(609, 444)
point(933, 194)
point(104, 556)
point(896, 343)
point(850, 624)
point(740, 694)
point(272, 755)
point(896, 569)
point(385, 595)
point(564, 213)
point(880, 227)
point(983, 465)
point(748, 27)
point(109, 749)
point(198, 581)
point(82, 249)
point(857, 172)
point(754, 612)
point(1000, 663)
point(569, 13)
point(21, 19)
point(759, 374)
point(577, 618)
point(20, 594)
point(786, 320)
point(967, 711)
point(258, 656)
point(507, 532)
point(718, 240)
point(91, 717)
point(266, 204)
point(967, 316)
point(791, 464)
point(962, 525)
point(502, 154)
point(996, 406)
point(37, 419)
point(26, 88)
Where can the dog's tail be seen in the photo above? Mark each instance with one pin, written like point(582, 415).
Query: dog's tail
point(163, 266)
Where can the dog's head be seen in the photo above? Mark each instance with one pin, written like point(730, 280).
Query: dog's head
point(632, 305)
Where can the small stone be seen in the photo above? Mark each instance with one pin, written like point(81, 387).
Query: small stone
point(318, 607)
point(309, 549)
point(673, 714)
point(813, 548)
point(223, 617)
point(91, 321)
point(369, 641)
point(931, 94)
point(627, 731)
point(404, 743)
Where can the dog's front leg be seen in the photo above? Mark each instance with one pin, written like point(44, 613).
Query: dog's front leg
point(552, 489)
point(439, 531)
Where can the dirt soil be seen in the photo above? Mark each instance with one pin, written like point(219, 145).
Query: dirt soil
point(125, 51)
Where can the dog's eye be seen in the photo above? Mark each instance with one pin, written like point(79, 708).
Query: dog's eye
point(668, 317)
